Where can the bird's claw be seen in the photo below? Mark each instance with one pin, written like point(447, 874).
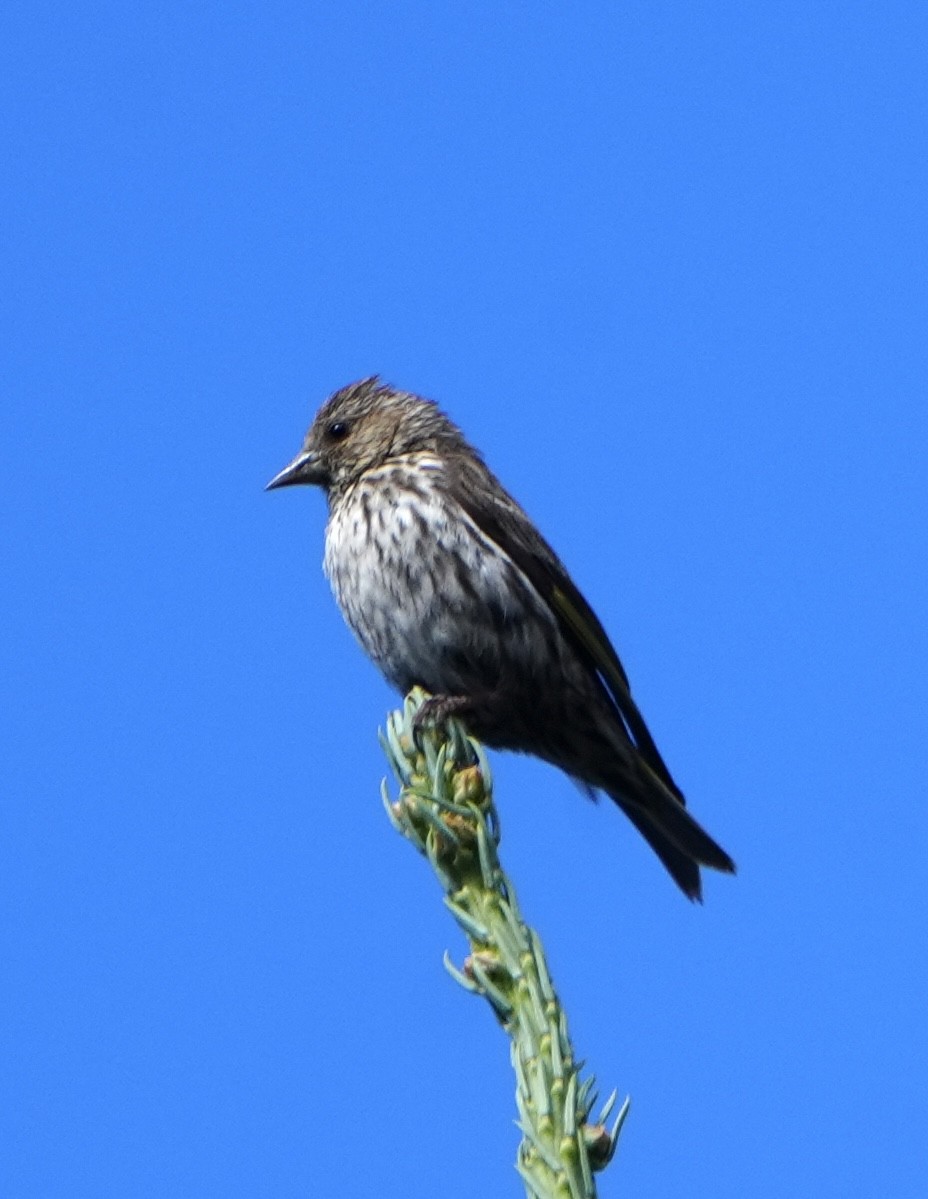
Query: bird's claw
point(434, 711)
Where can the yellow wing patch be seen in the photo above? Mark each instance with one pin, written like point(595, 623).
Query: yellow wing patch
point(600, 651)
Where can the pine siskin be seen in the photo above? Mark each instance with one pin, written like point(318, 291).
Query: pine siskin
point(446, 583)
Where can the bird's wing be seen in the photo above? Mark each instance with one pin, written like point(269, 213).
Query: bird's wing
point(501, 519)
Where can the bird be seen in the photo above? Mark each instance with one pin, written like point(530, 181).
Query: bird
point(447, 584)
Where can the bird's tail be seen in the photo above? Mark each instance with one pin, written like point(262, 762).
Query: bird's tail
point(680, 842)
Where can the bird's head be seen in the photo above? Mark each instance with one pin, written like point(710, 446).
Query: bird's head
point(362, 426)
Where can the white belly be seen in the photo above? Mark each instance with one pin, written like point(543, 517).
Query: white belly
point(431, 599)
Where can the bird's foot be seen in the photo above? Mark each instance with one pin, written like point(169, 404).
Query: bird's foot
point(436, 710)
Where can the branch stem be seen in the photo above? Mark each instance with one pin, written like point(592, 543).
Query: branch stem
point(445, 809)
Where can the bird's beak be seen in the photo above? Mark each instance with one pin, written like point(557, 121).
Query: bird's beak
point(305, 468)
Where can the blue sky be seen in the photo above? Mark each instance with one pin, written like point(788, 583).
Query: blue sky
point(666, 264)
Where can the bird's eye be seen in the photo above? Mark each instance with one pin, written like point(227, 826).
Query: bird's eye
point(338, 430)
